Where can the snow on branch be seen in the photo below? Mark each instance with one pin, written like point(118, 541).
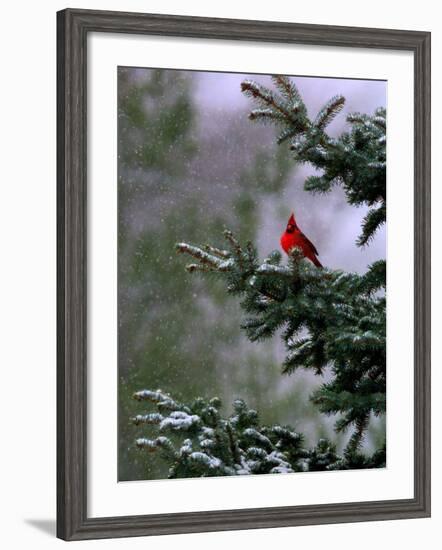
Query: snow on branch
point(238, 444)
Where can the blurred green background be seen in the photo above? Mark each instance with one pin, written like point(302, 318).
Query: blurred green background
point(189, 164)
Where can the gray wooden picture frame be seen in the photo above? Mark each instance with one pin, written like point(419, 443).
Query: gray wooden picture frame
point(73, 27)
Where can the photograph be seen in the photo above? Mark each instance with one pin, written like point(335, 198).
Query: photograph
point(252, 258)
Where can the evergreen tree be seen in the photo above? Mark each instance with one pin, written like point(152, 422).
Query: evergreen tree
point(165, 154)
point(329, 319)
point(210, 445)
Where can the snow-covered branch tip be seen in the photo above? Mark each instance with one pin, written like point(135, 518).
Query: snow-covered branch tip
point(212, 260)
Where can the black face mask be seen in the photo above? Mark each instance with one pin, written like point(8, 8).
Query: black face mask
point(290, 228)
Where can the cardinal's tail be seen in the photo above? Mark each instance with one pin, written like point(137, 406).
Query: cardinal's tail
point(316, 262)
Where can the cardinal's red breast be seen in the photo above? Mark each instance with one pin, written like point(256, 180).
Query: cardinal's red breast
point(287, 241)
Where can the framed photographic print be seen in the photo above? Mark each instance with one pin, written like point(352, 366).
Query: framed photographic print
point(243, 324)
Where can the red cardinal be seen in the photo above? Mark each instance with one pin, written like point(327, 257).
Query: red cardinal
point(293, 236)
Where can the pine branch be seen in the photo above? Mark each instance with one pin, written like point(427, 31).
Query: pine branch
point(330, 110)
point(328, 318)
point(212, 445)
point(287, 88)
point(287, 110)
point(371, 223)
point(356, 438)
point(263, 96)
